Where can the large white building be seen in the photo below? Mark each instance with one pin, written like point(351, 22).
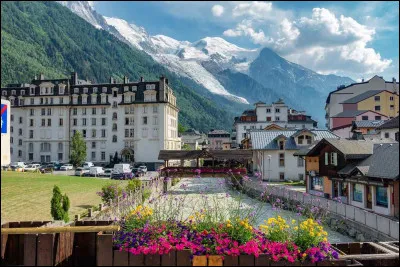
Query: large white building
point(335, 98)
point(134, 119)
point(278, 113)
point(273, 152)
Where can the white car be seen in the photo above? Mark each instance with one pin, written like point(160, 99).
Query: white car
point(66, 167)
point(96, 171)
point(32, 167)
point(81, 171)
point(143, 169)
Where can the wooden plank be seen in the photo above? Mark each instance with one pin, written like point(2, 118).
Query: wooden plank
point(199, 261)
point(183, 257)
point(354, 248)
point(369, 257)
point(215, 261)
point(246, 260)
point(4, 241)
point(136, 260)
point(308, 263)
point(278, 263)
point(45, 244)
point(152, 260)
point(104, 250)
point(121, 258)
point(169, 259)
point(332, 263)
point(231, 260)
point(60, 229)
point(12, 246)
point(85, 249)
point(262, 260)
point(30, 250)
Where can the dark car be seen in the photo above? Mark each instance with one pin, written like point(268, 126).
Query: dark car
point(49, 168)
point(136, 172)
point(121, 176)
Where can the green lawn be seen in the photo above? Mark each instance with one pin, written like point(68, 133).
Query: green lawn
point(26, 196)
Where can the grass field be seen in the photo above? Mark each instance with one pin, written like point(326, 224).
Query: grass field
point(26, 196)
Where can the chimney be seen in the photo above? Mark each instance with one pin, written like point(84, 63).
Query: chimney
point(141, 79)
point(41, 76)
point(111, 80)
point(74, 77)
point(126, 80)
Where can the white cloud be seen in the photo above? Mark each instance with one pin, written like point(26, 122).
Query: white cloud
point(323, 42)
point(217, 10)
point(255, 9)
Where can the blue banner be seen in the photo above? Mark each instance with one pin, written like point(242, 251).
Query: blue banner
point(4, 110)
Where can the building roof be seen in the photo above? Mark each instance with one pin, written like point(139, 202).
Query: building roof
point(350, 113)
point(249, 112)
point(218, 132)
point(362, 96)
point(191, 132)
point(367, 124)
point(390, 124)
point(383, 163)
point(267, 139)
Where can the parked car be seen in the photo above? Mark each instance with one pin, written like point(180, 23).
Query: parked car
point(96, 171)
point(121, 175)
point(106, 173)
point(16, 165)
point(136, 172)
point(143, 169)
point(66, 167)
point(87, 165)
point(46, 168)
point(32, 167)
point(81, 171)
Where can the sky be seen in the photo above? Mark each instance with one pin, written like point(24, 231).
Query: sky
point(354, 39)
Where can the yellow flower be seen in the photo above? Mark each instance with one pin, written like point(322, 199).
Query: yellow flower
point(293, 221)
point(325, 239)
point(296, 228)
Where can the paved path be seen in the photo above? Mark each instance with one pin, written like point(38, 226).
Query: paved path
point(212, 193)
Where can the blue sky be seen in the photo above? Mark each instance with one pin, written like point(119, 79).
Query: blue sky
point(355, 39)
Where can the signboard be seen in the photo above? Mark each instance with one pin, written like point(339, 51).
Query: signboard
point(4, 110)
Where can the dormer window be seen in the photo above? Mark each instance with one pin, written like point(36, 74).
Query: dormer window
point(94, 90)
point(134, 88)
point(103, 99)
point(4, 93)
point(309, 139)
point(281, 144)
point(85, 90)
point(115, 93)
point(84, 99)
point(32, 90)
point(13, 92)
point(22, 92)
point(94, 99)
point(126, 88)
point(150, 86)
point(104, 89)
point(61, 90)
point(76, 90)
point(75, 99)
point(301, 139)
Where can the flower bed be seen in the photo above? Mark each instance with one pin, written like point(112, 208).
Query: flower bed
point(276, 241)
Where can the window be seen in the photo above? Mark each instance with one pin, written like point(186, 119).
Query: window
point(377, 98)
point(30, 156)
point(103, 111)
point(391, 107)
point(84, 121)
point(93, 144)
point(334, 158)
point(309, 139)
point(132, 109)
point(131, 132)
point(281, 176)
point(126, 121)
point(126, 110)
point(317, 183)
point(155, 121)
point(20, 120)
point(20, 142)
point(48, 122)
point(144, 132)
point(144, 120)
point(155, 109)
point(114, 138)
point(60, 156)
point(115, 104)
point(115, 93)
point(301, 139)
point(84, 111)
point(75, 122)
point(103, 121)
point(281, 160)
point(103, 155)
point(60, 146)
point(277, 119)
point(378, 118)
point(377, 108)
point(93, 121)
point(32, 101)
point(277, 110)
point(11, 140)
point(391, 98)
point(49, 111)
point(30, 134)
point(364, 118)
point(396, 136)
point(281, 145)
point(126, 132)
point(31, 122)
point(103, 133)
point(93, 155)
point(386, 135)
point(104, 89)
point(61, 100)
point(12, 117)
point(115, 116)
point(93, 111)
point(358, 192)
point(144, 109)
point(114, 127)
point(381, 196)
point(300, 162)
point(326, 158)
point(93, 133)
point(244, 127)
point(75, 111)
point(84, 133)
point(43, 122)
point(19, 153)
point(268, 118)
point(19, 131)
point(11, 129)
point(301, 177)
point(43, 111)
point(268, 110)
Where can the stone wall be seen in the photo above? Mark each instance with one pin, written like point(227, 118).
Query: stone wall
point(345, 219)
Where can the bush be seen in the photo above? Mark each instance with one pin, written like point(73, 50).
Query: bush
point(109, 192)
point(59, 205)
point(133, 185)
point(146, 194)
point(174, 181)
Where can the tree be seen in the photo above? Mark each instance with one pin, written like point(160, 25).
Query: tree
point(181, 128)
point(78, 149)
point(59, 205)
point(186, 147)
point(116, 159)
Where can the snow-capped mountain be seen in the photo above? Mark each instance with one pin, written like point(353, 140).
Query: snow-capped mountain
point(212, 61)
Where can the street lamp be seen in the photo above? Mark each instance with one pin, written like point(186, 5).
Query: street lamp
point(269, 167)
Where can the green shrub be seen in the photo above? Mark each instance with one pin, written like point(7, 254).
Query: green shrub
point(133, 185)
point(59, 205)
point(109, 192)
point(174, 181)
point(146, 194)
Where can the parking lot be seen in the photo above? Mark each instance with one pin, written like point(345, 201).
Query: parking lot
point(72, 173)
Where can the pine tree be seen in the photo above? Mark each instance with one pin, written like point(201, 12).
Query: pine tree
point(78, 149)
point(59, 205)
